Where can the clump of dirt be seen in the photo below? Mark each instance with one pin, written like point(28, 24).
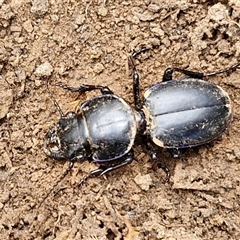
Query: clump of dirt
point(77, 42)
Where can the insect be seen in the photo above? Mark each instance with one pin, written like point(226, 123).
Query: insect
point(173, 114)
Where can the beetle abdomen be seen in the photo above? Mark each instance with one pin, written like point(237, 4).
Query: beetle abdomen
point(111, 125)
point(186, 113)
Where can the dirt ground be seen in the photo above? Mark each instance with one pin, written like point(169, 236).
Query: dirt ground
point(86, 41)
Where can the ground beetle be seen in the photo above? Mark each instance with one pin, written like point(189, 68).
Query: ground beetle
point(173, 114)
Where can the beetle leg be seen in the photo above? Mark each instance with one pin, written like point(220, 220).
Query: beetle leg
point(96, 172)
point(153, 155)
point(85, 88)
point(126, 160)
point(136, 88)
point(231, 68)
point(175, 152)
point(102, 171)
point(138, 52)
point(167, 76)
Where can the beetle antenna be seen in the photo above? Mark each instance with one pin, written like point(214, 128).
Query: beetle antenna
point(54, 100)
point(57, 182)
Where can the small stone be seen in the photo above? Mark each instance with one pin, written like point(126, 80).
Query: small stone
point(98, 68)
point(154, 8)
point(79, 20)
point(144, 16)
point(44, 70)
point(39, 7)
point(158, 32)
point(15, 28)
point(102, 11)
point(144, 181)
point(28, 26)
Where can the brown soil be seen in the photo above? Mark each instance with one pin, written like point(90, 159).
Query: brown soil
point(88, 42)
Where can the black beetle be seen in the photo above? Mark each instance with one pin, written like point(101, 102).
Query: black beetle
point(173, 114)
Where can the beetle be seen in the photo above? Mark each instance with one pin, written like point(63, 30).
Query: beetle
point(173, 114)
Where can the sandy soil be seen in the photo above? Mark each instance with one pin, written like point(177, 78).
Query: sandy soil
point(89, 42)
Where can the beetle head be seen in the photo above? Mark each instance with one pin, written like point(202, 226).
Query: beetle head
point(67, 139)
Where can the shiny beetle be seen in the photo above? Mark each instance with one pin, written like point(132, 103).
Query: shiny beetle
point(173, 114)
